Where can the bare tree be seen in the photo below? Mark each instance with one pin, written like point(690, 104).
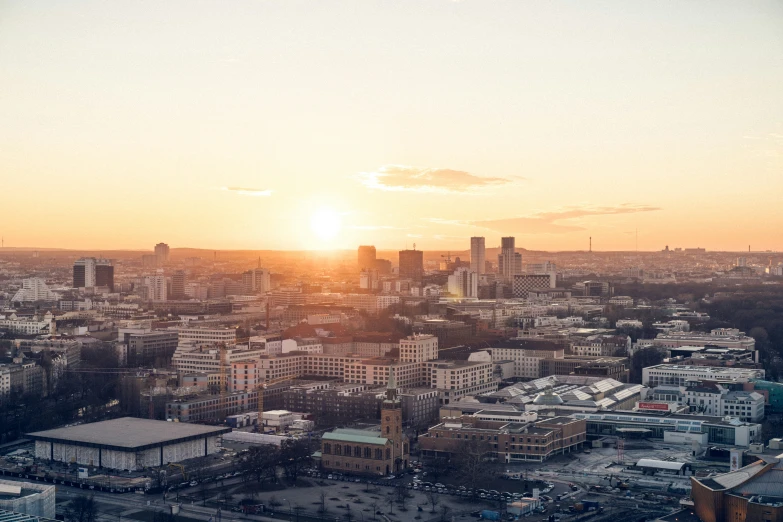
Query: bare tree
point(474, 463)
point(390, 501)
point(444, 512)
point(374, 507)
point(348, 513)
point(434, 499)
point(322, 508)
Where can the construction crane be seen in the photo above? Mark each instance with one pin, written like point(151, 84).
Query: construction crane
point(181, 469)
point(448, 257)
point(223, 380)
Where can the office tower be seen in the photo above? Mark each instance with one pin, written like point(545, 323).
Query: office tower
point(104, 274)
point(162, 253)
point(477, 255)
point(156, 286)
point(366, 257)
point(464, 282)
point(262, 280)
point(178, 283)
point(412, 264)
point(84, 272)
point(509, 261)
point(383, 266)
point(369, 280)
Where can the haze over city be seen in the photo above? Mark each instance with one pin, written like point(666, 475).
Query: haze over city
point(239, 127)
point(391, 261)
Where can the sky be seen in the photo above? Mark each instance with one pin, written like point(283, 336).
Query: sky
point(285, 124)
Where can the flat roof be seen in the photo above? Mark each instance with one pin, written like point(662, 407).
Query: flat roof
point(128, 433)
point(659, 464)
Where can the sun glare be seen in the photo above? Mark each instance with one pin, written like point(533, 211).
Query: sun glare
point(325, 224)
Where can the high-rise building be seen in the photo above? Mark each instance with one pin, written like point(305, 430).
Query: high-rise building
point(178, 283)
point(366, 257)
point(412, 264)
point(162, 253)
point(256, 281)
point(84, 272)
point(104, 274)
point(477, 255)
point(509, 260)
point(464, 283)
point(156, 286)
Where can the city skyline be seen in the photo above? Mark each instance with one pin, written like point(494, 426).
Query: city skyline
point(448, 120)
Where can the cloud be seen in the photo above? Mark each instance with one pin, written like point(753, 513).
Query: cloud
point(557, 222)
point(375, 227)
point(248, 191)
point(425, 179)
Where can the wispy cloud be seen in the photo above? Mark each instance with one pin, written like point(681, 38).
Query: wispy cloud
point(249, 191)
point(425, 179)
point(557, 222)
point(375, 227)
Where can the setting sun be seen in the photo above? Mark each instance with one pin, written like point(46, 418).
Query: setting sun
point(325, 224)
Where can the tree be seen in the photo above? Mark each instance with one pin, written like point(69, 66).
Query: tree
point(434, 499)
point(374, 507)
point(82, 509)
point(444, 513)
point(322, 507)
point(294, 457)
point(474, 463)
point(643, 358)
point(402, 496)
point(261, 462)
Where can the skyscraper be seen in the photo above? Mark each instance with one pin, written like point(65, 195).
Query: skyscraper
point(412, 264)
point(178, 283)
point(156, 286)
point(477, 255)
point(84, 272)
point(162, 253)
point(104, 274)
point(366, 257)
point(509, 261)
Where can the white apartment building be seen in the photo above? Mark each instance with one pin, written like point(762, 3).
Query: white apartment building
point(269, 345)
point(419, 348)
point(722, 337)
point(714, 399)
point(527, 361)
point(33, 289)
point(629, 323)
point(457, 379)
point(463, 283)
point(621, 300)
point(677, 375)
point(377, 372)
point(207, 358)
point(244, 376)
point(34, 325)
point(193, 336)
point(156, 286)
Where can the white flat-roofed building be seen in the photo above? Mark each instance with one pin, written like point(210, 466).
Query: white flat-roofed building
point(676, 375)
point(456, 379)
point(30, 498)
point(419, 348)
point(194, 336)
point(127, 443)
point(723, 337)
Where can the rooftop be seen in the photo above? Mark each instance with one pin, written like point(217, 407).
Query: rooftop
point(128, 433)
point(358, 436)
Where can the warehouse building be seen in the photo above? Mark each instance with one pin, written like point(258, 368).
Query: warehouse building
point(127, 443)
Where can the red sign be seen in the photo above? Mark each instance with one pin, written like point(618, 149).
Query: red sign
point(653, 406)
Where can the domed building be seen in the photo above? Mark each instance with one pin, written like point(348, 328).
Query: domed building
point(548, 398)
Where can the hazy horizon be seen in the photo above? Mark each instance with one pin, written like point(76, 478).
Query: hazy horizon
point(300, 125)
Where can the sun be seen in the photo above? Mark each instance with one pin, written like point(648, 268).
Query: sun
point(326, 224)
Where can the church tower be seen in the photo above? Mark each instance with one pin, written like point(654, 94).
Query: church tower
point(391, 425)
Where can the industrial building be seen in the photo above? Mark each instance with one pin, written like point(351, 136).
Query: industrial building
point(127, 443)
point(30, 498)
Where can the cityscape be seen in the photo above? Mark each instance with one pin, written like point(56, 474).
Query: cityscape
point(426, 260)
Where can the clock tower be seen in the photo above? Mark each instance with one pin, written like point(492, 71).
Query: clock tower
point(391, 425)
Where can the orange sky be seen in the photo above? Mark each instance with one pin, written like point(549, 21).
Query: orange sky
point(289, 125)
